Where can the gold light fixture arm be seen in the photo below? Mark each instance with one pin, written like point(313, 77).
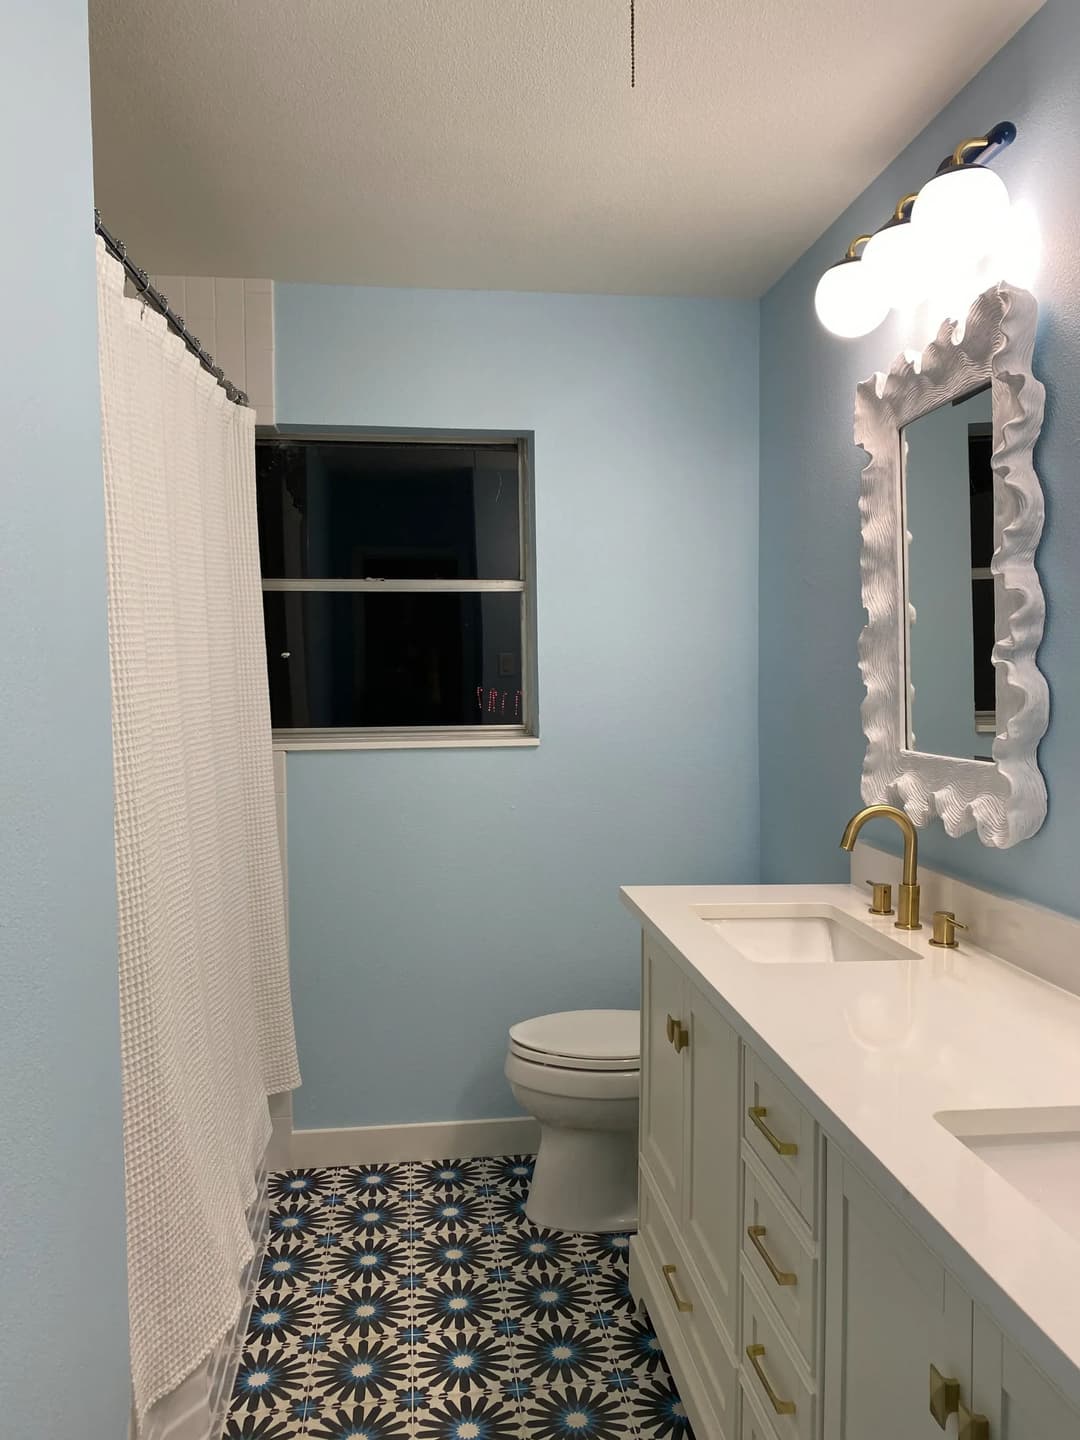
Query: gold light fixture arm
point(903, 203)
point(859, 240)
point(977, 142)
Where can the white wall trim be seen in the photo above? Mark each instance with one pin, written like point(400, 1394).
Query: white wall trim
point(1043, 942)
point(456, 1139)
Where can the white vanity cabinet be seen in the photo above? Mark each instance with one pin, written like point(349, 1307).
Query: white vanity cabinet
point(1018, 1403)
point(793, 1302)
point(903, 1338)
point(892, 1311)
point(685, 1258)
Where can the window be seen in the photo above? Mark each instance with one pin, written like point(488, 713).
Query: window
point(395, 591)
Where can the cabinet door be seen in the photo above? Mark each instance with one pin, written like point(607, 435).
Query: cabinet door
point(1016, 1400)
point(891, 1311)
point(713, 1123)
point(663, 992)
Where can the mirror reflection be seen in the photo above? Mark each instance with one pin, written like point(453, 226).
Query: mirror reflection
point(948, 500)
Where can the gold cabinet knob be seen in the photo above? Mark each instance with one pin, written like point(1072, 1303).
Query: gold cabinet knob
point(677, 1034)
point(972, 1427)
point(944, 1396)
point(881, 904)
point(945, 928)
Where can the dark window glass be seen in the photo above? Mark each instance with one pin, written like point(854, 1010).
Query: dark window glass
point(352, 511)
point(981, 483)
point(356, 659)
point(982, 624)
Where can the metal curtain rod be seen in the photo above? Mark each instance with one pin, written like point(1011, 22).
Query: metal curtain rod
point(141, 280)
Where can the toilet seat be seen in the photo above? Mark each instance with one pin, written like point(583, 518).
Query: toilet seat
point(578, 1074)
point(598, 1040)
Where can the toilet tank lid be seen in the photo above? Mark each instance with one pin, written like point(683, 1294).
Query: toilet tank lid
point(582, 1034)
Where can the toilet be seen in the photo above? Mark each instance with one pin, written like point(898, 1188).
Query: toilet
point(579, 1073)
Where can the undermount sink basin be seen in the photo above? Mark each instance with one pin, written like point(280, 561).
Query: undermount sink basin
point(1037, 1151)
point(771, 939)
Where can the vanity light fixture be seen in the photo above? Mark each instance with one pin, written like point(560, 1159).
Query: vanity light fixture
point(898, 256)
point(956, 219)
point(965, 207)
point(848, 300)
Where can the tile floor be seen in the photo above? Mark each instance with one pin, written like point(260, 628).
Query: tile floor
point(416, 1302)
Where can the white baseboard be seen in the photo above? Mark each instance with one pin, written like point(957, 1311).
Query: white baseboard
point(279, 1151)
point(450, 1139)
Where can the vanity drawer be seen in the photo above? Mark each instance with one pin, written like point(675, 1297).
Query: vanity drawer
point(776, 1378)
point(781, 1134)
point(779, 1252)
point(686, 1328)
point(753, 1425)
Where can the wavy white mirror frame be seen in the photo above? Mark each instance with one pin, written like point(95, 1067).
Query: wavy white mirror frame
point(1004, 800)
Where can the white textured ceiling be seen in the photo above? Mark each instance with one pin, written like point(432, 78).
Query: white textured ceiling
point(498, 145)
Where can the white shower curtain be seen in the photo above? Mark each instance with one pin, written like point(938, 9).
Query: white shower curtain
point(206, 1022)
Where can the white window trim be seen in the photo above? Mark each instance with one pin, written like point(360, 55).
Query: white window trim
point(367, 740)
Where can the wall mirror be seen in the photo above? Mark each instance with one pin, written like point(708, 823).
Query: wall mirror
point(952, 512)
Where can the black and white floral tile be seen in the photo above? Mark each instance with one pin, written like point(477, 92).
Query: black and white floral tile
point(416, 1302)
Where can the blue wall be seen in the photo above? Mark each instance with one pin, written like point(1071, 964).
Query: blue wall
point(810, 733)
point(437, 896)
point(63, 1320)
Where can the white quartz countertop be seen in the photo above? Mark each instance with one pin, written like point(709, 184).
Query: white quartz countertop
point(876, 1049)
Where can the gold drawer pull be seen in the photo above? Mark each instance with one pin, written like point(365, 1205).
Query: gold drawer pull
point(944, 1396)
point(782, 1407)
point(683, 1306)
point(671, 1029)
point(757, 1114)
point(782, 1277)
point(972, 1427)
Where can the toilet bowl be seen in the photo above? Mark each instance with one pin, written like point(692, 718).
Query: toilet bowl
point(578, 1073)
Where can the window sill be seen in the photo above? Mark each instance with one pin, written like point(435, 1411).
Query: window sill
point(419, 742)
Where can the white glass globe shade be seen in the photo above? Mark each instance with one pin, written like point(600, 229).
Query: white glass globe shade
point(848, 302)
point(896, 258)
point(963, 209)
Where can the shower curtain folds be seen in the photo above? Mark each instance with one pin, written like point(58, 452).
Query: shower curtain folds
point(206, 1021)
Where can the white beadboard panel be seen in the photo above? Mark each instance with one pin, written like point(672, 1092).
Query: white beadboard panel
point(199, 312)
point(234, 320)
point(174, 289)
point(259, 340)
point(229, 350)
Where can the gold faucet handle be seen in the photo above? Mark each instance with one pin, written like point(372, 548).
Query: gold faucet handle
point(882, 901)
point(945, 928)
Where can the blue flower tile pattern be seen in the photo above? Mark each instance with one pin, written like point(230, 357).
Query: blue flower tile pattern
point(417, 1302)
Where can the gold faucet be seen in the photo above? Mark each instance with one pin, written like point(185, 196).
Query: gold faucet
point(907, 906)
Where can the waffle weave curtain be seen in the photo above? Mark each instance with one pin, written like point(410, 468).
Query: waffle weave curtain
point(206, 1019)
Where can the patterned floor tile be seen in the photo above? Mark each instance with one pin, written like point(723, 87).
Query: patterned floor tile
point(659, 1413)
point(417, 1301)
point(589, 1412)
point(483, 1417)
point(359, 1422)
point(240, 1426)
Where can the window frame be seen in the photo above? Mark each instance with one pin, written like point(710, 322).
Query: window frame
point(442, 737)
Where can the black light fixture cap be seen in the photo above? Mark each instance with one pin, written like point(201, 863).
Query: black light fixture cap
point(1002, 135)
